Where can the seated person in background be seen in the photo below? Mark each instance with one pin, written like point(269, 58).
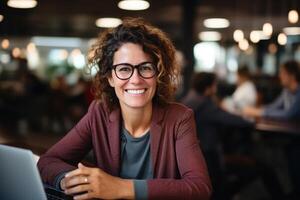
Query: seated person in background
point(211, 120)
point(201, 98)
point(145, 147)
point(287, 105)
point(212, 123)
point(244, 95)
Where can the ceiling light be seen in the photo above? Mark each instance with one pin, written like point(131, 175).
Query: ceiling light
point(291, 30)
point(133, 5)
point(238, 35)
point(254, 36)
point(282, 39)
point(108, 22)
point(22, 3)
point(262, 36)
point(268, 29)
point(293, 16)
point(1, 18)
point(257, 35)
point(210, 36)
point(244, 44)
point(216, 23)
point(5, 43)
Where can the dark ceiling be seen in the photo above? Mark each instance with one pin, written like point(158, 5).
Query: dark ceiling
point(77, 17)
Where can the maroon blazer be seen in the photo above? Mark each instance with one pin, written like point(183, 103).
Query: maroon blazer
point(179, 168)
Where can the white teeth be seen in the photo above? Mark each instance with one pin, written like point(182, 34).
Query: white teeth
point(136, 91)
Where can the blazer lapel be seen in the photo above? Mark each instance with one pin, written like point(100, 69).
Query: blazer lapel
point(114, 139)
point(155, 135)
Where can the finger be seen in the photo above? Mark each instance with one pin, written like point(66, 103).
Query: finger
point(75, 181)
point(77, 172)
point(89, 169)
point(83, 196)
point(81, 166)
point(63, 184)
point(85, 168)
point(78, 189)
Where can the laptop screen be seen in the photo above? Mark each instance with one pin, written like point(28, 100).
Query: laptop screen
point(20, 178)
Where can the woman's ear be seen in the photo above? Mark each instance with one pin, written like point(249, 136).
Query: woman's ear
point(111, 81)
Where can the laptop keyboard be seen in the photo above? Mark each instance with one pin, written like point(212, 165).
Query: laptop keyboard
point(53, 197)
point(53, 194)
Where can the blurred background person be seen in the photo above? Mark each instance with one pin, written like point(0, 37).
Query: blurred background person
point(287, 105)
point(213, 125)
point(22, 102)
point(210, 120)
point(244, 95)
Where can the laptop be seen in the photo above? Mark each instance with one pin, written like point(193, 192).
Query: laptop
point(20, 178)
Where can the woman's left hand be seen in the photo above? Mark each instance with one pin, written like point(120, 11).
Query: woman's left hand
point(89, 183)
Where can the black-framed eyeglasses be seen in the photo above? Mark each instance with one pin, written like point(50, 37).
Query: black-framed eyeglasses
point(125, 70)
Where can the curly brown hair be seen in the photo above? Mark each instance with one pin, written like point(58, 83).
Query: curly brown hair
point(153, 41)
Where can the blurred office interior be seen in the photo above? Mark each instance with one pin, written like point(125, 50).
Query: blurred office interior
point(45, 87)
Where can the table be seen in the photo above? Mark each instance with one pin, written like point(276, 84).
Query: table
point(288, 128)
point(284, 148)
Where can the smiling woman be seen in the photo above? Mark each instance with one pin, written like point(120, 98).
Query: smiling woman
point(145, 146)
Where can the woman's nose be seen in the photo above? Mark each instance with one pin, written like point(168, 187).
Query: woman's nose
point(135, 78)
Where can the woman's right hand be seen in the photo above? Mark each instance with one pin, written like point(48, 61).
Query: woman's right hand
point(87, 183)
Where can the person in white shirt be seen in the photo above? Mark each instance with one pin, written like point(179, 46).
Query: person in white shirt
point(245, 94)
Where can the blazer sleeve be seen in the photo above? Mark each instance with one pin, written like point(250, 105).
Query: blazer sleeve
point(194, 182)
point(71, 149)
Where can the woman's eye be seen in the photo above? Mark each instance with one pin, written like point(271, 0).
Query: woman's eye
point(146, 68)
point(124, 69)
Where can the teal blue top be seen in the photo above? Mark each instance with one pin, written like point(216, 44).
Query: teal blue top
point(136, 161)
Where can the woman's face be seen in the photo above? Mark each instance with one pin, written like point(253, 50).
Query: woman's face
point(135, 92)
